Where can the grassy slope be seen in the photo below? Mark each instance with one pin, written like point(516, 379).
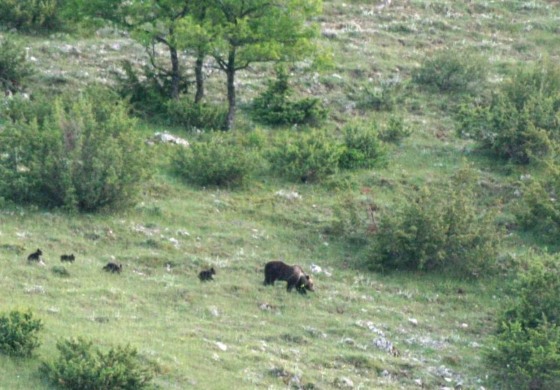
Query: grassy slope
point(319, 339)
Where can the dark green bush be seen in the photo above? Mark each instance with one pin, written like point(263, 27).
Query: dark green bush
point(395, 130)
point(452, 71)
point(80, 366)
point(18, 333)
point(525, 353)
point(83, 156)
point(362, 147)
point(14, 68)
point(218, 160)
point(520, 122)
point(30, 15)
point(196, 116)
point(438, 229)
point(306, 156)
point(382, 97)
point(274, 107)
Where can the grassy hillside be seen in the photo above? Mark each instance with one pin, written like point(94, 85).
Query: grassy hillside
point(359, 329)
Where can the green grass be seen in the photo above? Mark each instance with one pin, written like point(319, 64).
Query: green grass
point(235, 332)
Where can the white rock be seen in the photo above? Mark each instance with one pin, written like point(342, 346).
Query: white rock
point(221, 346)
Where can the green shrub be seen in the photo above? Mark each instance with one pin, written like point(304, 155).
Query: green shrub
point(84, 156)
point(520, 122)
point(306, 156)
point(218, 160)
point(438, 230)
point(18, 333)
point(525, 352)
point(452, 71)
point(383, 97)
point(81, 366)
point(196, 116)
point(362, 147)
point(30, 15)
point(14, 69)
point(274, 107)
point(395, 130)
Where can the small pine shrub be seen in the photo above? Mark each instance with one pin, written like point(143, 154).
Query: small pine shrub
point(362, 147)
point(84, 156)
point(525, 352)
point(81, 366)
point(30, 15)
point(274, 107)
point(520, 122)
point(18, 333)
point(196, 116)
point(218, 160)
point(383, 97)
point(14, 69)
point(452, 71)
point(395, 130)
point(438, 230)
point(306, 156)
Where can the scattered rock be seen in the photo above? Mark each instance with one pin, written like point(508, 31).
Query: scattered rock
point(413, 321)
point(344, 383)
point(289, 195)
point(221, 346)
point(166, 138)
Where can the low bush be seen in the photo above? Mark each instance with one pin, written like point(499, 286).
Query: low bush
point(525, 352)
point(196, 116)
point(83, 156)
point(395, 130)
point(362, 147)
point(81, 366)
point(306, 156)
point(30, 15)
point(18, 333)
point(14, 69)
point(437, 230)
point(274, 107)
point(218, 160)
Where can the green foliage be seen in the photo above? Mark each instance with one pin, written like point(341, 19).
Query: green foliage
point(218, 160)
point(362, 147)
point(81, 366)
point(274, 107)
point(196, 116)
point(525, 352)
point(306, 156)
point(14, 69)
point(438, 230)
point(30, 15)
point(520, 122)
point(383, 97)
point(395, 130)
point(452, 71)
point(83, 156)
point(18, 333)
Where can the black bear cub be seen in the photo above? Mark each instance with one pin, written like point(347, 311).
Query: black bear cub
point(207, 275)
point(35, 256)
point(294, 275)
point(112, 267)
point(69, 258)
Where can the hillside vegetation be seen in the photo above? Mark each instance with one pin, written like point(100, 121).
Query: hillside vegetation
point(412, 172)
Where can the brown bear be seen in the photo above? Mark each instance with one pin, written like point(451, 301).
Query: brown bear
point(35, 256)
point(112, 267)
point(206, 275)
point(294, 275)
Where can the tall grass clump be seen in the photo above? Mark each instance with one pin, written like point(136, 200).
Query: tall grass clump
point(82, 366)
point(437, 229)
point(521, 120)
point(84, 155)
point(525, 352)
point(452, 71)
point(14, 68)
point(18, 333)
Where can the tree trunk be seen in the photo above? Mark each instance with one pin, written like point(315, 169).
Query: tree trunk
point(175, 75)
point(230, 72)
point(199, 77)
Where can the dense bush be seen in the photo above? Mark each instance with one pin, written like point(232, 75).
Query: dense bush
point(382, 97)
point(521, 120)
point(525, 353)
point(30, 15)
point(362, 147)
point(196, 116)
point(437, 229)
point(218, 160)
point(306, 156)
point(18, 333)
point(274, 107)
point(83, 156)
point(81, 366)
point(452, 71)
point(395, 130)
point(14, 69)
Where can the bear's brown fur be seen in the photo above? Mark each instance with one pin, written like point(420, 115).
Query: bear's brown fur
point(294, 275)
